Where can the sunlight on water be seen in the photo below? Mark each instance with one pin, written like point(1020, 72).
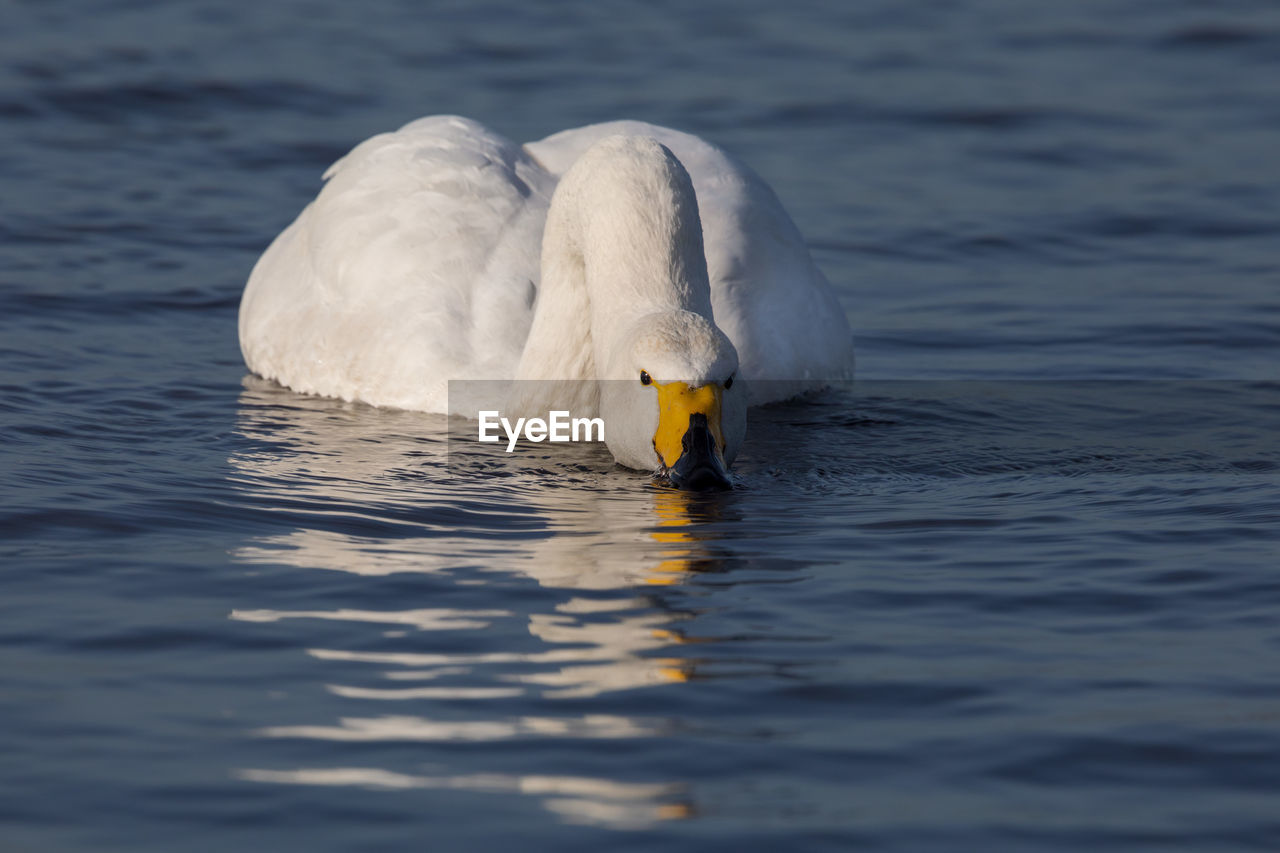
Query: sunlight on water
point(422, 729)
point(598, 802)
point(422, 620)
point(620, 534)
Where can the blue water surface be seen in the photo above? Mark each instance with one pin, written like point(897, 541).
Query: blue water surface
point(1014, 589)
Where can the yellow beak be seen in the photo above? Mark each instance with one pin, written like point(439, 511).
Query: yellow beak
point(689, 441)
point(677, 403)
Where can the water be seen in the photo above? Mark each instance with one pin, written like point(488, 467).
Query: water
point(1015, 589)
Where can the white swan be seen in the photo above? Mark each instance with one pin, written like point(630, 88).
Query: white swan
point(443, 251)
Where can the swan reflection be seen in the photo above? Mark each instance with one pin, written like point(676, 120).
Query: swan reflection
point(374, 493)
point(575, 799)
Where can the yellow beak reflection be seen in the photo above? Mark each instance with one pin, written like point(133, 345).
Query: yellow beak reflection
point(689, 442)
point(675, 533)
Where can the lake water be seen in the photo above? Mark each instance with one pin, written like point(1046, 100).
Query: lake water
point(1016, 588)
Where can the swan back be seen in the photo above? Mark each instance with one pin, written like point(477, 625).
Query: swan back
point(416, 264)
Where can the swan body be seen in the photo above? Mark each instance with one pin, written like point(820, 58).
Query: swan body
point(620, 252)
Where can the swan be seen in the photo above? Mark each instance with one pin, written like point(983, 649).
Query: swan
point(624, 252)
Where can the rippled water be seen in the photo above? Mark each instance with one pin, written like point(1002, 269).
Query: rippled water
point(1013, 589)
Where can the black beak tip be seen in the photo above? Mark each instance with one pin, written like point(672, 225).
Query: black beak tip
point(699, 468)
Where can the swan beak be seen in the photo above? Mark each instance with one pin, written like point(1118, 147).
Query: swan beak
point(689, 442)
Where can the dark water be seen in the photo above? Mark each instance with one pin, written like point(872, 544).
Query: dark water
point(1016, 589)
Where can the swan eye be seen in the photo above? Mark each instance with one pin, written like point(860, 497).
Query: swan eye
point(645, 379)
point(728, 383)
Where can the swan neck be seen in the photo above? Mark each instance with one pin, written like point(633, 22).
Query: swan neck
point(623, 240)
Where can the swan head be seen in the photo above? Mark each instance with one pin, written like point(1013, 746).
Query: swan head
point(672, 401)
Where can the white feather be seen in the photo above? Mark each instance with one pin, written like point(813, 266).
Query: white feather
point(422, 260)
